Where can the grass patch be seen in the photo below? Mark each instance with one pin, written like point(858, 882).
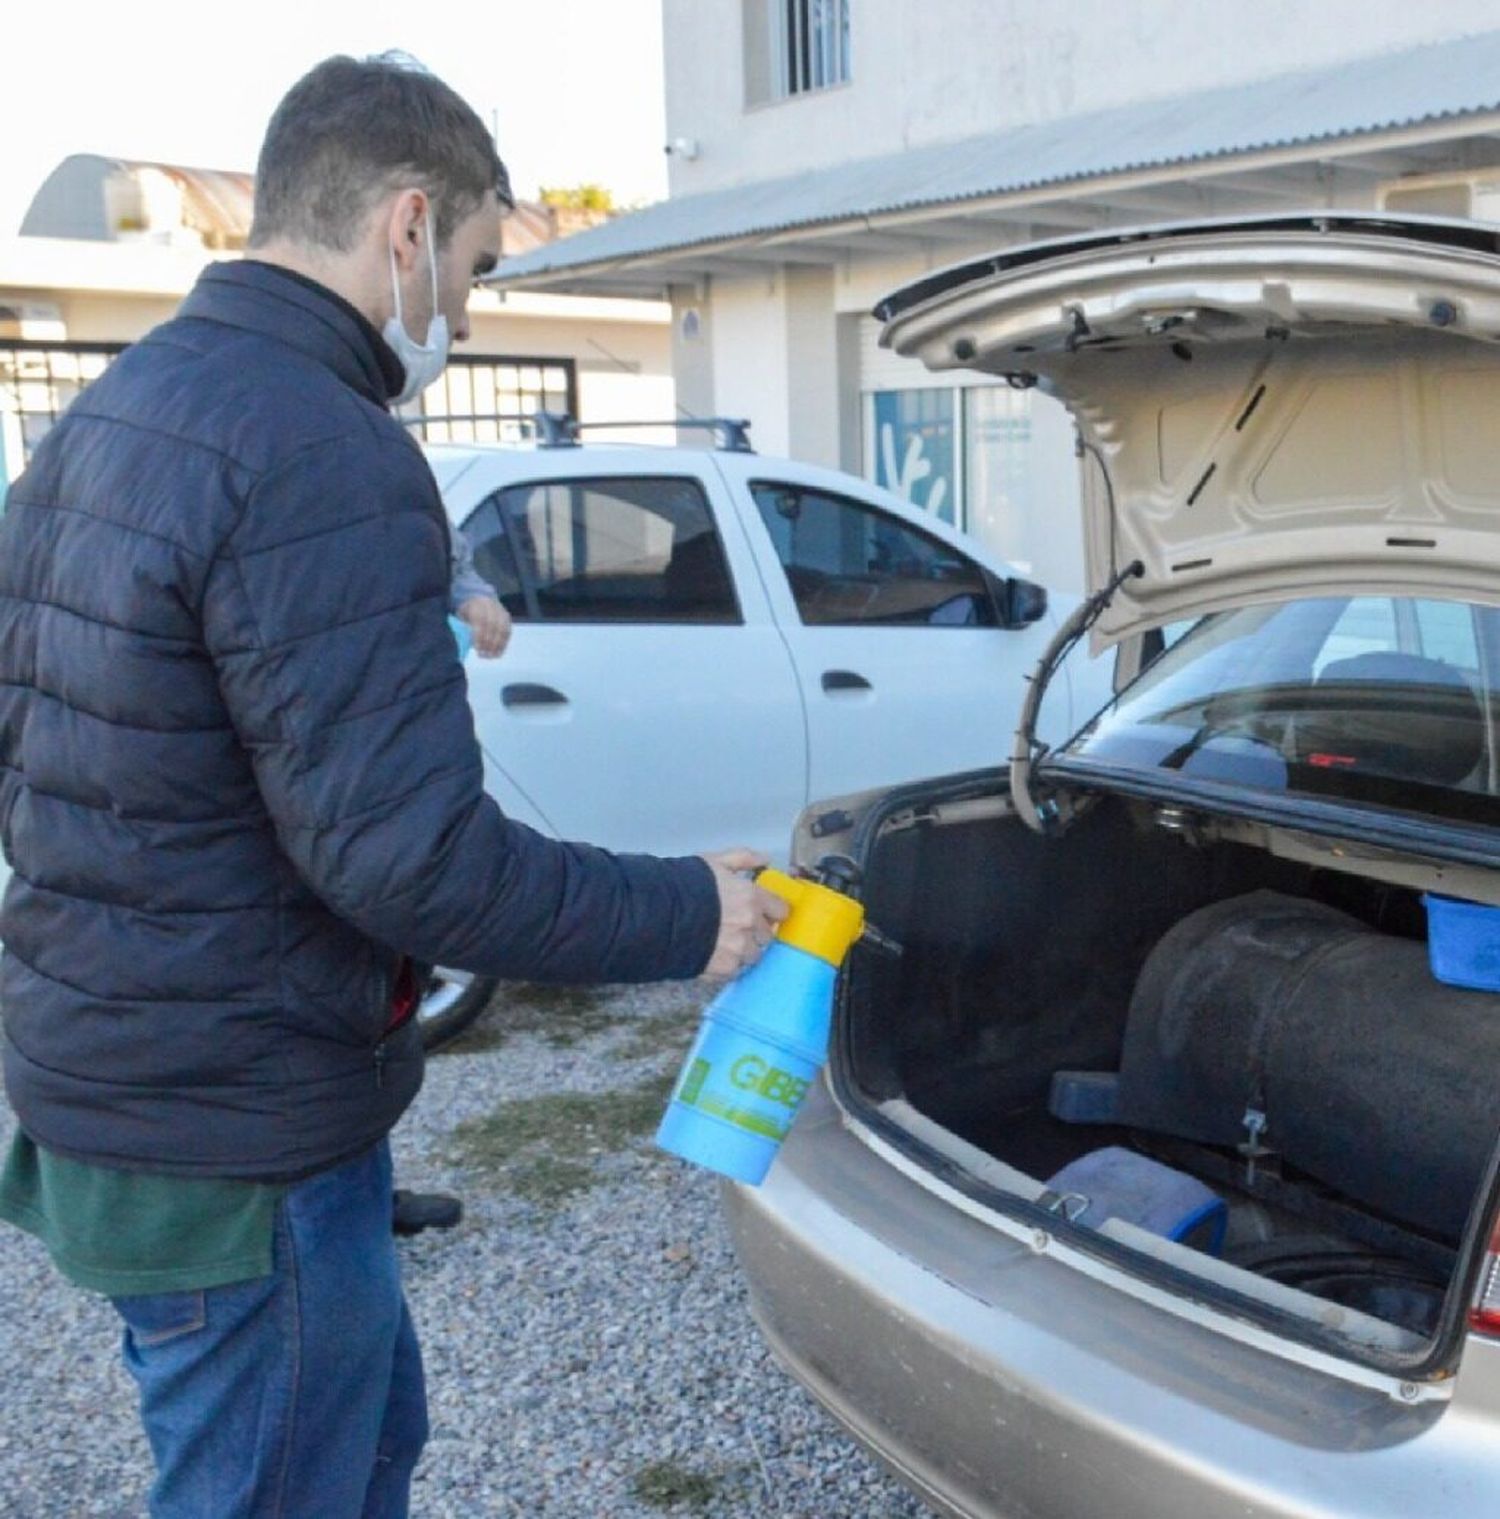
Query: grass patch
point(481, 1035)
point(544, 1181)
point(562, 1015)
point(667, 1034)
point(666, 1484)
point(544, 1149)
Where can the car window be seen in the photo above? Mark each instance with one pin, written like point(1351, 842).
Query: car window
point(1156, 641)
point(1374, 624)
point(1366, 625)
point(636, 549)
point(1379, 700)
point(1446, 631)
point(848, 563)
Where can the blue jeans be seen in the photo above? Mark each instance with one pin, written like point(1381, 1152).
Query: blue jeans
point(298, 1395)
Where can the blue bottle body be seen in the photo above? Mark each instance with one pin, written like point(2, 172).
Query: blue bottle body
point(762, 1042)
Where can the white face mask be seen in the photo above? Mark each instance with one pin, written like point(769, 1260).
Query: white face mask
point(423, 362)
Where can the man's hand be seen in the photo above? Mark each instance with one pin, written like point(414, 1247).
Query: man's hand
point(748, 914)
point(490, 624)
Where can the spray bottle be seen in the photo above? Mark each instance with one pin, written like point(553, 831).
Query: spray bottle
point(764, 1037)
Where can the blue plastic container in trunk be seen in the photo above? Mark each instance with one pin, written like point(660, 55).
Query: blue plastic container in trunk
point(1118, 1183)
point(1463, 943)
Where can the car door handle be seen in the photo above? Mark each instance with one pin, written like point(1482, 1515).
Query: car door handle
point(845, 680)
point(523, 694)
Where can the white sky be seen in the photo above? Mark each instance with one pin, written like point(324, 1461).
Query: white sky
point(577, 84)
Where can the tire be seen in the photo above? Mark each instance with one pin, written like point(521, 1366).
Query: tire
point(451, 1001)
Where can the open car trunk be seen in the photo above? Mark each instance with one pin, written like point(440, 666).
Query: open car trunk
point(1150, 1011)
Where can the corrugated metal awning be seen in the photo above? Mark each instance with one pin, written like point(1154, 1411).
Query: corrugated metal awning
point(1393, 99)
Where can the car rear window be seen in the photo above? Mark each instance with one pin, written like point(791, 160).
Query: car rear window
point(1379, 700)
point(626, 549)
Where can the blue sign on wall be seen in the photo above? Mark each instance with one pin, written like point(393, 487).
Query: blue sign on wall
point(916, 448)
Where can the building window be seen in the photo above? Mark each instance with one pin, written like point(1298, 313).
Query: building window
point(492, 398)
point(604, 550)
point(916, 448)
point(793, 47)
point(1005, 490)
point(999, 463)
point(38, 382)
point(479, 398)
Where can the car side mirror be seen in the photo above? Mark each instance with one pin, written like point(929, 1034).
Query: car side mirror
point(1018, 603)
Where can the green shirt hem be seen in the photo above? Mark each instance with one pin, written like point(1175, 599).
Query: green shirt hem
point(112, 1281)
point(125, 1234)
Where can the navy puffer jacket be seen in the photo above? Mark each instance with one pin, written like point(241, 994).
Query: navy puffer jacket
point(238, 773)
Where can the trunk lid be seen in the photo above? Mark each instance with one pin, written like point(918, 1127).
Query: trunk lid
point(1274, 408)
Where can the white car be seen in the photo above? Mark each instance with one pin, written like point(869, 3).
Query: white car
point(706, 639)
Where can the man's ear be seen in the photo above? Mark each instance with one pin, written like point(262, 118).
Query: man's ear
point(407, 226)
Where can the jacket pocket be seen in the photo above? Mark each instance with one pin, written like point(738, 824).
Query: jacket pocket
point(157, 1318)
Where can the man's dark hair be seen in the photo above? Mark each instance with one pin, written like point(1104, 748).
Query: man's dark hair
point(352, 130)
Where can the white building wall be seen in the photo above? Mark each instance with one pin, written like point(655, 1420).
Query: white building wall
point(750, 358)
point(930, 70)
point(622, 349)
point(693, 350)
point(606, 395)
point(813, 376)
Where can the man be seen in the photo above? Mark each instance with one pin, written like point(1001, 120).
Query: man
point(240, 789)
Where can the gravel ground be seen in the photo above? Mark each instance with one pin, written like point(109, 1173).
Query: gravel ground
point(589, 1349)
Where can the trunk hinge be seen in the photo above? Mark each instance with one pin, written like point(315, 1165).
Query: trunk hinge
point(1052, 812)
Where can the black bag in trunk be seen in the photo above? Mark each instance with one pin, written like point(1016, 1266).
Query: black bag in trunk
point(1373, 1078)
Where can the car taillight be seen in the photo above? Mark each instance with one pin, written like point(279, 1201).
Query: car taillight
point(1484, 1313)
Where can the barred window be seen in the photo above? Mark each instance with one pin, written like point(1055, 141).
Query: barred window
point(793, 47)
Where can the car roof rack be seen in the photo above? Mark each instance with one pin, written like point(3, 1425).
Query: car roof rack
point(556, 429)
point(422, 418)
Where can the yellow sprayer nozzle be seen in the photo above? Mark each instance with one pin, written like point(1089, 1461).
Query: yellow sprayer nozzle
point(823, 922)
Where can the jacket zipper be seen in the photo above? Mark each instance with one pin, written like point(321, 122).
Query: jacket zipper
point(387, 993)
point(383, 1012)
